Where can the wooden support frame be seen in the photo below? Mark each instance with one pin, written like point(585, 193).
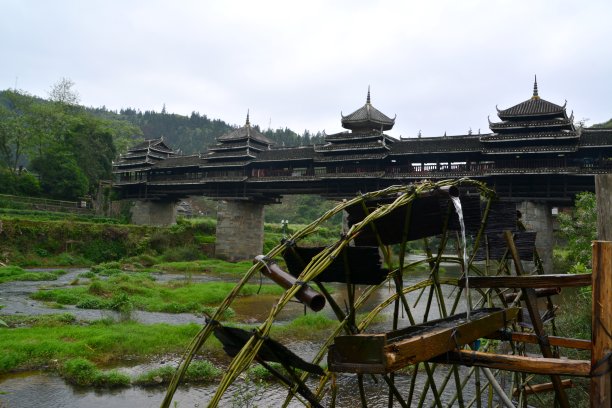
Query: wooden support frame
point(538, 388)
point(601, 355)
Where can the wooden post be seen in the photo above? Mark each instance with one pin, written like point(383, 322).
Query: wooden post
point(603, 192)
point(601, 338)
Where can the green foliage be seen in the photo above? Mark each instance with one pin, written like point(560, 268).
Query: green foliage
point(83, 372)
point(18, 183)
point(580, 228)
point(60, 175)
point(301, 209)
point(206, 266)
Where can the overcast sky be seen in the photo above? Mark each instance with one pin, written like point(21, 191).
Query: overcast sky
point(439, 65)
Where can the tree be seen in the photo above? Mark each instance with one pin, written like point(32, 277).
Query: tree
point(60, 175)
point(63, 92)
point(580, 228)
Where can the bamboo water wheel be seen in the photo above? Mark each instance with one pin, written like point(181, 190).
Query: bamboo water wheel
point(441, 330)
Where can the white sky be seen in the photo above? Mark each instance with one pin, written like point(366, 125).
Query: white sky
point(439, 65)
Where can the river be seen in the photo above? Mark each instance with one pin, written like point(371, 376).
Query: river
point(33, 389)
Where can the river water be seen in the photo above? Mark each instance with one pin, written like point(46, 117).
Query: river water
point(38, 389)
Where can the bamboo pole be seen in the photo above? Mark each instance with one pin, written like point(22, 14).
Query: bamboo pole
point(601, 356)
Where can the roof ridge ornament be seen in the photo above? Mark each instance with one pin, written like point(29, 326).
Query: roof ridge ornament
point(248, 122)
point(535, 88)
point(368, 100)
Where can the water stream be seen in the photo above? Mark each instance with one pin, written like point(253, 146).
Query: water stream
point(47, 389)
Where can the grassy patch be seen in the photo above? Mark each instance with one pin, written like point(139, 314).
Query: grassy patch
point(197, 372)
point(123, 292)
point(309, 326)
point(15, 273)
point(48, 320)
point(206, 266)
point(83, 372)
point(102, 342)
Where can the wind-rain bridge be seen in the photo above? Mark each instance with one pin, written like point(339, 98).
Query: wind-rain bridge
point(535, 156)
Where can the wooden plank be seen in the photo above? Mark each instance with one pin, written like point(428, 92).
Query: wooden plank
point(534, 365)
point(537, 388)
point(601, 357)
point(528, 281)
point(533, 339)
point(380, 353)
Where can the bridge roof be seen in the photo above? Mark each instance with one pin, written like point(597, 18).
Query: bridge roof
point(367, 117)
point(593, 137)
point(464, 143)
point(179, 161)
point(287, 153)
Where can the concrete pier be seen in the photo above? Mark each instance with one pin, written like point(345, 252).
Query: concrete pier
point(161, 213)
point(538, 217)
point(240, 227)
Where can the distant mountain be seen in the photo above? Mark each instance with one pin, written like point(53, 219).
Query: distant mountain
point(607, 125)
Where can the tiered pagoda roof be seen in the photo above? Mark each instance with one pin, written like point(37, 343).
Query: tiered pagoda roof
point(536, 124)
point(365, 139)
point(240, 144)
point(144, 155)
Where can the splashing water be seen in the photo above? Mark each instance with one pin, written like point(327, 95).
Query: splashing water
point(459, 211)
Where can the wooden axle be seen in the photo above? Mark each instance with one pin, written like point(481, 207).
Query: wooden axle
point(534, 365)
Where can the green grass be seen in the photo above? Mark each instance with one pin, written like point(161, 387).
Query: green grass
point(197, 372)
point(15, 273)
point(101, 342)
point(206, 266)
point(48, 320)
point(124, 292)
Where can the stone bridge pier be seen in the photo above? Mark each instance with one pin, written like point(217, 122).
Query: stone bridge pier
point(240, 230)
point(161, 213)
point(537, 216)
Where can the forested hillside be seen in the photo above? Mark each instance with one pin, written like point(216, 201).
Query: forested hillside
point(70, 148)
point(194, 133)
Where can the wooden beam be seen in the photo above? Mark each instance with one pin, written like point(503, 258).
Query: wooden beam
point(601, 356)
point(534, 365)
point(528, 281)
point(388, 352)
point(543, 292)
point(533, 339)
point(537, 388)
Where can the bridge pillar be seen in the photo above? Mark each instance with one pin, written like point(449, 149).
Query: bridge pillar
point(160, 213)
point(538, 217)
point(240, 226)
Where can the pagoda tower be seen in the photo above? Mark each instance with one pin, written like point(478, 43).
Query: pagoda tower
point(365, 141)
point(239, 146)
point(534, 126)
